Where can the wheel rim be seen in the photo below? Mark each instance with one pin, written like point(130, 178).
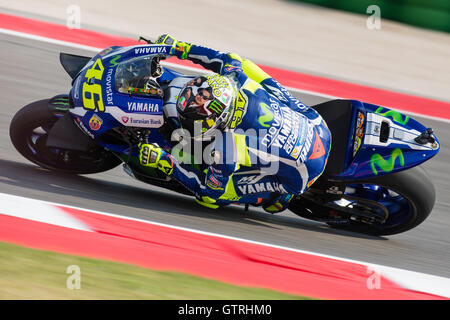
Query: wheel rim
point(398, 207)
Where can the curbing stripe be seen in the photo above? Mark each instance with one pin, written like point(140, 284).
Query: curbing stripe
point(409, 280)
point(36, 210)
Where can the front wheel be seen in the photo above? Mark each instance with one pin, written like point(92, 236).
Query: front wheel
point(384, 205)
point(29, 131)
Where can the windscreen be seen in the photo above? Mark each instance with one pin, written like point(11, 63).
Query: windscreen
point(135, 77)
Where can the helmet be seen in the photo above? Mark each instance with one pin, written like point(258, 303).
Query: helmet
point(206, 103)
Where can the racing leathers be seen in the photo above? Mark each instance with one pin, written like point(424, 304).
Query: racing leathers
point(273, 148)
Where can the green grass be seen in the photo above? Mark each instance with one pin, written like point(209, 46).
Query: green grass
point(35, 274)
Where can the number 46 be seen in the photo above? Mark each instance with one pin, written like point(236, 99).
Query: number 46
point(92, 92)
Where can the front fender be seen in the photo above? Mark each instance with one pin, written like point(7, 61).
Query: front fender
point(65, 134)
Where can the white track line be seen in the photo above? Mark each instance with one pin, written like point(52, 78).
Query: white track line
point(39, 211)
point(174, 65)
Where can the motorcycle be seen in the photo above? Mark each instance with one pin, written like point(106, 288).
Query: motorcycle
point(371, 184)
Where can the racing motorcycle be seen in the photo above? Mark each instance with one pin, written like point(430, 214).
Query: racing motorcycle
point(371, 184)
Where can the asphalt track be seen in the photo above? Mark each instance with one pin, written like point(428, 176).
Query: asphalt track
point(30, 70)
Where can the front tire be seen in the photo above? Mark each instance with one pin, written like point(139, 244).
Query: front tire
point(28, 132)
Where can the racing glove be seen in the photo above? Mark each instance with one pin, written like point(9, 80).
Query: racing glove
point(179, 49)
point(154, 157)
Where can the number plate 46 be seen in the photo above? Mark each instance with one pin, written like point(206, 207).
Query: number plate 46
point(92, 88)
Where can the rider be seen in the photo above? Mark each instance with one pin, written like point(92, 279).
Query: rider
point(262, 126)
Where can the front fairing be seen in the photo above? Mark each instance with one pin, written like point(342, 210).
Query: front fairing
point(97, 104)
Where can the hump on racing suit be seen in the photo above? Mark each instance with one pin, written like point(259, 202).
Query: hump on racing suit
point(274, 145)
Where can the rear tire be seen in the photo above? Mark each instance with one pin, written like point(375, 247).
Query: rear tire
point(416, 189)
point(28, 132)
point(415, 186)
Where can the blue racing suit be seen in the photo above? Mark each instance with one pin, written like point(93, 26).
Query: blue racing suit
point(275, 146)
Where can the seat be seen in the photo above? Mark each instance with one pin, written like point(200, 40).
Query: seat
point(338, 115)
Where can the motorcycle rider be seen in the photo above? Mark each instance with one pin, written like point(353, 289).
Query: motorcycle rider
point(237, 98)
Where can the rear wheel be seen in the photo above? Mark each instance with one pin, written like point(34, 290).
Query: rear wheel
point(384, 205)
point(29, 131)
